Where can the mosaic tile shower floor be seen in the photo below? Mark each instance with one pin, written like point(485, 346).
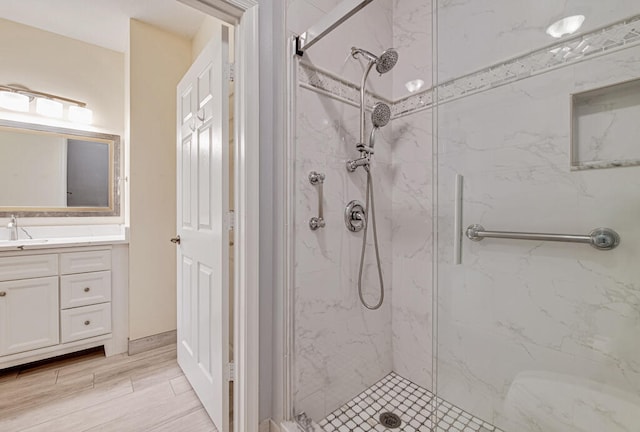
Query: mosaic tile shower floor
point(413, 404)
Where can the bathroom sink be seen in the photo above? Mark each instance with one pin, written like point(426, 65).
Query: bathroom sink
point(23, 242)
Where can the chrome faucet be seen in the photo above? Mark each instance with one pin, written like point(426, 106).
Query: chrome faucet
point(13, 226)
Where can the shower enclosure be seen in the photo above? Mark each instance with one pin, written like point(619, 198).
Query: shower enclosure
point(518, 116)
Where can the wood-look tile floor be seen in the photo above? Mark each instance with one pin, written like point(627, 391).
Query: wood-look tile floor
point(90, 392)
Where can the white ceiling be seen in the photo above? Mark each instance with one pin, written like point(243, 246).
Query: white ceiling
point(102, 22)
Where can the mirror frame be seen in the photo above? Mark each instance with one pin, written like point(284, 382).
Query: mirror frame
point(113, 210)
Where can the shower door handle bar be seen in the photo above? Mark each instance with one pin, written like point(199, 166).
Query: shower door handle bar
point(599, 238)
point(317, 179)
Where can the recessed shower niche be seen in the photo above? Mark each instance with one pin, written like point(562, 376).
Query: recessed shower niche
point(605, 127)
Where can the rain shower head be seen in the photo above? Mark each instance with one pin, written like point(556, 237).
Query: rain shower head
point(384, 63)
point(380, 115)
point(387, 61)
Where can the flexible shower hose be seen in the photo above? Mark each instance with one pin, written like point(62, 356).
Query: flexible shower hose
point(368, 194)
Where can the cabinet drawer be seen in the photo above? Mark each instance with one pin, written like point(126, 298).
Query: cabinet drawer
point(83, 262)
point(85, 322)
point(85, 289)
point(25, 267)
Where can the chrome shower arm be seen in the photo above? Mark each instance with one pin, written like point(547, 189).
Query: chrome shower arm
point(369, 55)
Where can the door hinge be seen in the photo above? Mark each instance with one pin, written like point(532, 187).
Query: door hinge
point(231, 372)
point(230, 71)
point(230, 220)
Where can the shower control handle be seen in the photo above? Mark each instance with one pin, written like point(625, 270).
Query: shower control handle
point(354, 216)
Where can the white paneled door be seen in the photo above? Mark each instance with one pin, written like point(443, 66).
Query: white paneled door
point(203, 207)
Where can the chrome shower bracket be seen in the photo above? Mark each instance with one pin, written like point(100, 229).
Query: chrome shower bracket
point(317, 179)
point(364, 161)
point(354, 216)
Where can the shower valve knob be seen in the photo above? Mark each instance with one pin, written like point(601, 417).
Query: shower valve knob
point(354, 216)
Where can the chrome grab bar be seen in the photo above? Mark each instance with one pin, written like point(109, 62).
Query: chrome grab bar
point(317, 179)
point(599, 238)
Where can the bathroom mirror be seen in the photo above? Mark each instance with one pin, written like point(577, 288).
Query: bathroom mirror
point(48, 171)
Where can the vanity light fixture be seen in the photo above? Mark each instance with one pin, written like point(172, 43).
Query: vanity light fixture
point(17, 98)
point(565, 26)
point(48, 107)
point(14, 101)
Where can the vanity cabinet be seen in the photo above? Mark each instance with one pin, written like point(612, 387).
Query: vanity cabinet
point(53, 303)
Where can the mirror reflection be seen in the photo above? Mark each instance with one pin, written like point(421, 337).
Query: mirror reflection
point(52, 169)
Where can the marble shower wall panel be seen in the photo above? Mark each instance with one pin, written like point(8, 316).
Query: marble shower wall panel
point(412, 199)
point(371, 29)
point(340, 347)
point(537, 336)
point(412, 250)
point(474, 34)
point(412, 28)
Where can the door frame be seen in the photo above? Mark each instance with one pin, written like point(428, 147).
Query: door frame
point(243, 14)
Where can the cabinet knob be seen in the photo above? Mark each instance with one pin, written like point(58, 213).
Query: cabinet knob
point(87, 289)
point(2, 293)
point(87, 322)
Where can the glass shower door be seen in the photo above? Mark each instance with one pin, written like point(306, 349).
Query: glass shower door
point(537, 132)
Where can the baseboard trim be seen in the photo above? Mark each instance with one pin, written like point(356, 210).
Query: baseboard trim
point(273, 426)
point(154, 341)
point(265, 426)
point(268, 425)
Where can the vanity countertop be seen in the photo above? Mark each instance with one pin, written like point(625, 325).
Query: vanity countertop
point(51, 243)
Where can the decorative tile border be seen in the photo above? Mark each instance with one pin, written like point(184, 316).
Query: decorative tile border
point(412, 103)
point(312, 77)
point(621, 35)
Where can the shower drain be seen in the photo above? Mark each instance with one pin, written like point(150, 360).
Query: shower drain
point(390, 420)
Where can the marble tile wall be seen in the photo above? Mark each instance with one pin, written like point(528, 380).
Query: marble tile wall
point(412, 248)
point(412, 203)
point(537, 336)
point(412, 29)
point(341, 348)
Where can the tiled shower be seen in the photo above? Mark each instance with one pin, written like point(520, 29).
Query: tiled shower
point(494, 122)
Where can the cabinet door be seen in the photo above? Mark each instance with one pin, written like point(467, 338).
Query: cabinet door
point(29, 314)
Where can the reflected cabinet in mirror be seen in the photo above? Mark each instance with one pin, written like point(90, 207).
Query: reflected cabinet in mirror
point(48, 171)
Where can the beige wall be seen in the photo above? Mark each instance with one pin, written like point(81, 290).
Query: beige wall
point(51, 63)
point(157, 61)
point(207, 32)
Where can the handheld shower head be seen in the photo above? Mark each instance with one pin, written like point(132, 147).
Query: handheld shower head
point(380, 115)
point(384, 63)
